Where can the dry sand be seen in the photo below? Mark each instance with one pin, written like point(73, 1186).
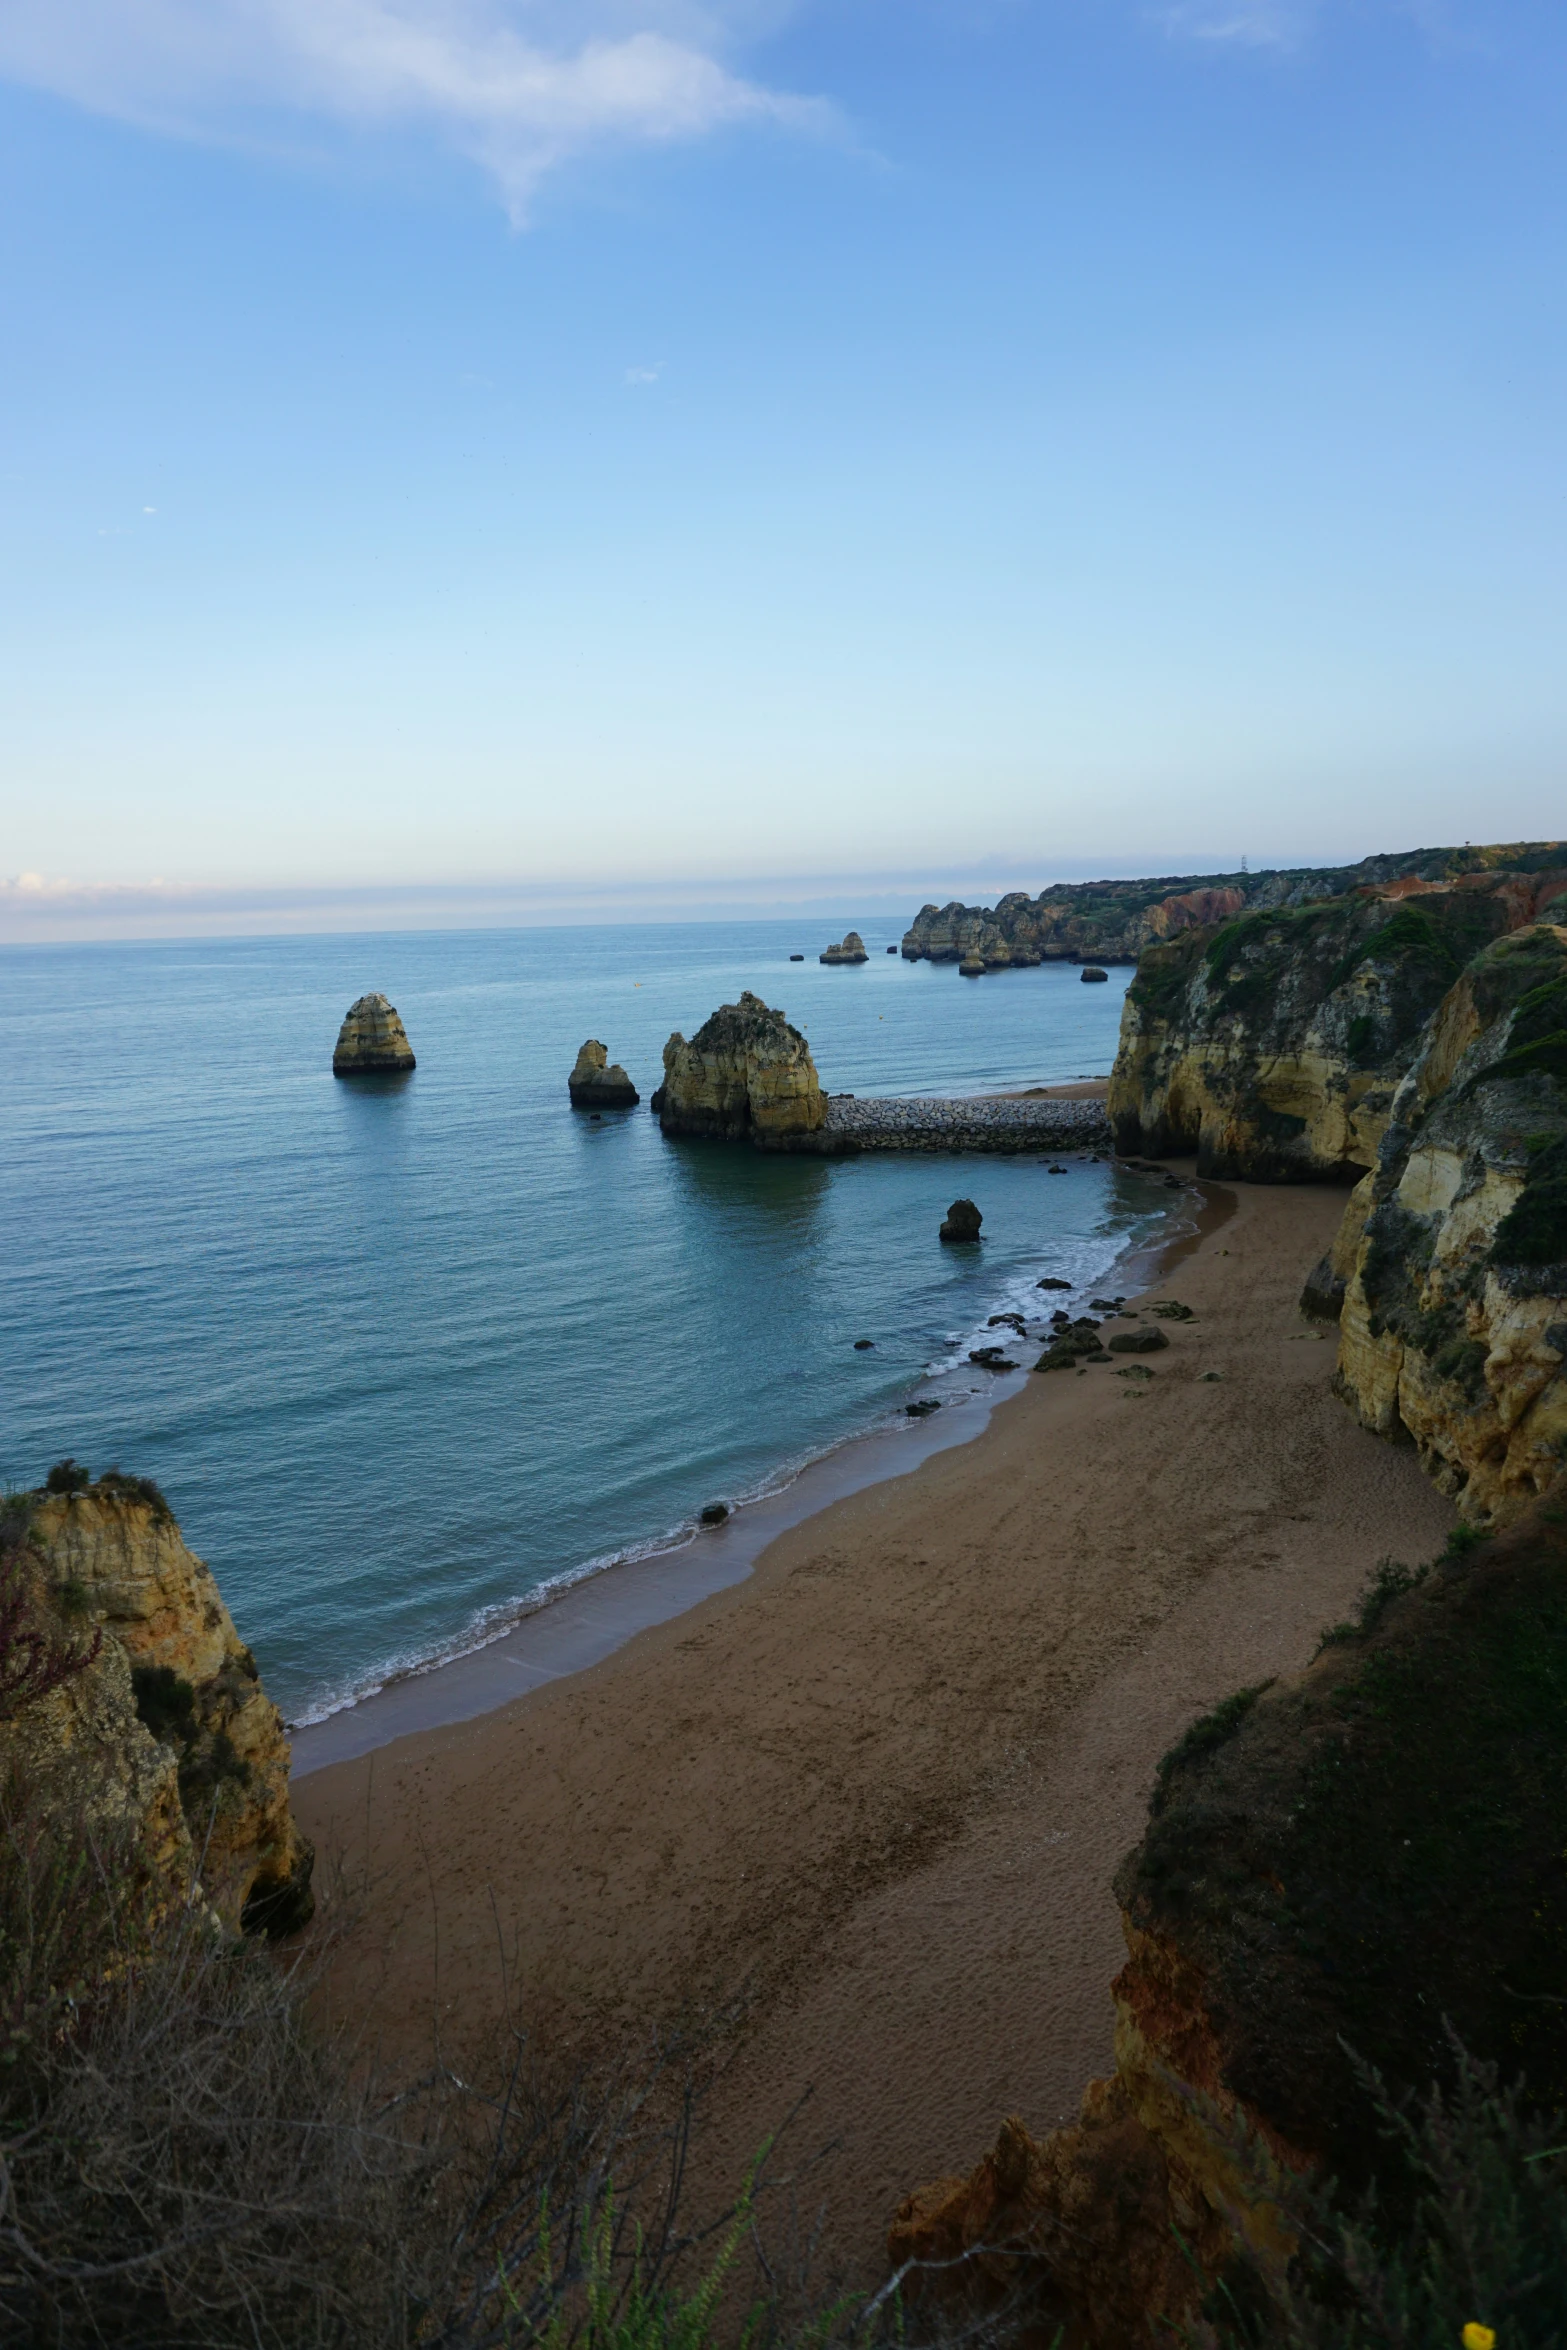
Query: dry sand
point(883, 1785)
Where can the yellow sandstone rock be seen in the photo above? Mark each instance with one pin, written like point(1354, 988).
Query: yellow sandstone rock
point(371, 1038)
point(746, 1075)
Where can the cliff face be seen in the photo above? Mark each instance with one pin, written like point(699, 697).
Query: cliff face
point(1273, 1046)
point(1346, 1862)
point(371, 1038)
point(168, 1729)
point(747, 1076)
point(1113, 921)
point(1454, 1323)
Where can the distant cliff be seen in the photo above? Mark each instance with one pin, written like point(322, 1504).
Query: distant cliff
point(1112, 921)
point(165, 1732)
point(1337, 1868)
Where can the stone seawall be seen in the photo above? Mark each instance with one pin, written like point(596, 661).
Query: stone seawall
point(982, 1123)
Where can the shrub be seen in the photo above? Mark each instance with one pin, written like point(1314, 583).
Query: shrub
point(67, 1476)
point(142, 1489)
point(1208, 1733)
point(165, 1702)
point(33, 1662)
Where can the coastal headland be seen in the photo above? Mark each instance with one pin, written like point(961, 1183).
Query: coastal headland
point(876, 1794)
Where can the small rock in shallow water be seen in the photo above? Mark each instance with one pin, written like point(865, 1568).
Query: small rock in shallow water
point(1104, 1305)
point(963, 1221)
point(1050, 1282)
point(715, 1513)
point(925, 1406)
point(862, 1345)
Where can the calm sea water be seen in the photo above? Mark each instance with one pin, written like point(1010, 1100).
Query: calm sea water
point(405, 1352)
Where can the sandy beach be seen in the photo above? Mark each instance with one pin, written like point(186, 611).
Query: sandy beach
point(880, 1787)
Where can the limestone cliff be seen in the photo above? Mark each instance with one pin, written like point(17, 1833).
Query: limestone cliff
point(1272, 1046)
point(596, 1083)
point(1454, 1323)
point(167, 1730)
point(372, 1038)
point(746, 1076)
point(1347, 1862)
point(1113, 921)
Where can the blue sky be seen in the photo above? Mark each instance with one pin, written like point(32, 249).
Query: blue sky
point(499, 459)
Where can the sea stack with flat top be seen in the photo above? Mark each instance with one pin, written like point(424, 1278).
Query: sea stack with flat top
point(850, 949)
point(372, 1041)
point(595, 1086)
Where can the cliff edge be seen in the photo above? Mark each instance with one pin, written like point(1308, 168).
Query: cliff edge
point(165, 1731)
point(1335, 1868)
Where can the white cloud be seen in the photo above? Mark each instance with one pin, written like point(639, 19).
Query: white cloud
point(645, 375)
point(1248, 24)
point(518, 84)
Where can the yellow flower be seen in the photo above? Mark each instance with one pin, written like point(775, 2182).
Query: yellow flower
point(1479, 2337)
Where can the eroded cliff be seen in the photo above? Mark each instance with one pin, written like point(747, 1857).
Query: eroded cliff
point(1273, 1046)
point(746, 1075)
point(1454, 1321)
point(166, 1731)
point(1335, 1869)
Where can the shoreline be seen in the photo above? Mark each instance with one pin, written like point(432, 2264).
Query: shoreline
point(585, 1618)
point(861, 1811)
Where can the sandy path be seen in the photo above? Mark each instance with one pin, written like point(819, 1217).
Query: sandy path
point(884, 1784)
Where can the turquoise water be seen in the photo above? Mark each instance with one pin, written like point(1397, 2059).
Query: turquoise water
point(405, 1352)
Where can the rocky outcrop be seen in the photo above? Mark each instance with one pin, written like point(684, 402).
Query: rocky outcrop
point(962, 1222)
point(166, 1732)
point(1113, 921)
point(596, 1083)
point(1335, 1871)
point(1273, 1046)
point(850, 949)
point(372, 1038)
point(1454, 1317)
point(1092, 971)
point(746, 1076)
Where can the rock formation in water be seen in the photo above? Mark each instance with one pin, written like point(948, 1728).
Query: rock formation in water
point(850, 950)
point(1335, 1869)
point(746, 1076)
point(1454, 1320)
point(166, 1733)
point(596, 1083)
point(1092, 971)
point(1272, 1046)
point(372, 1038)
point(1112, 921)
point(963, 1221)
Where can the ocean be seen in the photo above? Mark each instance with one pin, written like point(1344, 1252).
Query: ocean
point(406, 1354)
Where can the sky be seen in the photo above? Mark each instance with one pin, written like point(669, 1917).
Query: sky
point(473, 460)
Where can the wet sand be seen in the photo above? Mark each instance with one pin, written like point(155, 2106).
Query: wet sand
point(880, 1787)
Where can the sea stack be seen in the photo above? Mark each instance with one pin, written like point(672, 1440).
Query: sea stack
point(963, 1221)
point(371, 1039)
point(593, 1086)
point(746, 1076)
point(972, 965)
point(850, 949)
point(1092, 971)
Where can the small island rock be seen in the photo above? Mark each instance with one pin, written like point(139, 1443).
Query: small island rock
point(746, 1076)
point(851, 949)
point(1092, 971)
point(595, 1086)
point(972, 965)
point(372, 1038)
point(963, 1221)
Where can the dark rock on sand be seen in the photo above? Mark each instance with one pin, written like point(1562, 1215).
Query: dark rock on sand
point(372, 1040)
point(1170, 1309)
point(923, 1408)
point(1050, 1282)
point(1138, 1342)
point(963, 1221)
point(715, 1513)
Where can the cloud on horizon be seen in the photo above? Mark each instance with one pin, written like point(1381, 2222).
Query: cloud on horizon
point(519, 86)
